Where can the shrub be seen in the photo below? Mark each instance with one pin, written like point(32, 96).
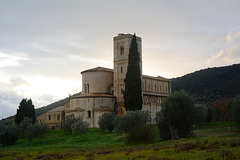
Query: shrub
point(201, 114)
point(141, 134)
point(80, 127)
point(41, 129)
point(36, 130)
point(8, 134)
point(134, 119)
point(106, 122)
point(31, 133)
point(24, 124)
point(67, 125)
point(118, 123)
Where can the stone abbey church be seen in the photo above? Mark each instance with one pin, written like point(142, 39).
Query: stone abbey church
point(102, 90)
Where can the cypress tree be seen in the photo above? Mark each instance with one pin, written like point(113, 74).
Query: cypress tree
point(133, 88)
point(26, 109)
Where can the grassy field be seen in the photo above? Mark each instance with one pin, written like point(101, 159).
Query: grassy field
point(218, 140)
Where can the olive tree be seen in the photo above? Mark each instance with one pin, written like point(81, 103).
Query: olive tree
point(106, 122)
point(178, 113)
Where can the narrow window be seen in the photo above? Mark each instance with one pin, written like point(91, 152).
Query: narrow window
point(49, 117)
point(149, 86)
point(58, 117)
point(87, 88)
point(89, 114)
point(121, 69)
point(121, 50)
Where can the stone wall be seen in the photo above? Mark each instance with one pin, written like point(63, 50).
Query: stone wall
point(98, 81)
point(90, 104)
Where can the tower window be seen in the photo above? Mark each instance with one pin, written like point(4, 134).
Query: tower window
point(121, 50)
point(89, 113)
point(86, 88)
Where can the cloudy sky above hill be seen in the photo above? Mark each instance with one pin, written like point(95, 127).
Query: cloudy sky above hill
point(44, 45)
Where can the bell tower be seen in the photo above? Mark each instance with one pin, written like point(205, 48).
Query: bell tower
point(121, 46)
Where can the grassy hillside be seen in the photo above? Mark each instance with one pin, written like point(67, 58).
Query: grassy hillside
point(210, 84)
point(216, 140)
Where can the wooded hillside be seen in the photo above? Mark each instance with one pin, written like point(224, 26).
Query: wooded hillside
point(210, 84)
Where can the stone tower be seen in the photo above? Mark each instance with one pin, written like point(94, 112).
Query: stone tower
point(121, 46)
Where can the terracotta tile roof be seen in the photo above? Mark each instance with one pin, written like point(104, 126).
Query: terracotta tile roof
point(158, 77)
point(103, 108)
point(98, 69)
point(58, 109)
point(74, 109)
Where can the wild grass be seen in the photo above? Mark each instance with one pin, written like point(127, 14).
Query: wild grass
point(215, 142)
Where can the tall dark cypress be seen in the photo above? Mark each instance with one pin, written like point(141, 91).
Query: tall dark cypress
point(133, 88)
point(26, 109)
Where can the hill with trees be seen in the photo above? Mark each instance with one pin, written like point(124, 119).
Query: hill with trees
point(211, 84)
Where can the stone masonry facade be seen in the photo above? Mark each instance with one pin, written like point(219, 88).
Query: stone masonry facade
point(102, 89)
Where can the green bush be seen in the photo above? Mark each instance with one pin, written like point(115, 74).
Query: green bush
point(68, 124)
point(80, 127)
point(106, 122)
point(24, 124)
point(131, 120)
point(8, 134)
point(118, 123)
point(35, 131)
point(141, 134)
point(200, 115)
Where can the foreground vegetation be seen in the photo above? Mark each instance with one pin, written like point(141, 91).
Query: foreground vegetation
point(218, 140)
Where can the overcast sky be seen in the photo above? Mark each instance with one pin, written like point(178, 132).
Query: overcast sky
point(45, 44)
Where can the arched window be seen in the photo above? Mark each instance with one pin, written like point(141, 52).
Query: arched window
point(89, 113)
point(86, 88)
point(121, 50)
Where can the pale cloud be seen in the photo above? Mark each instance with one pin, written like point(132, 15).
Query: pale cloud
point(228, 51)
point(229, 37)
point(37, 86)
point(225, 56)
point(233, 36)
point(7, 60)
